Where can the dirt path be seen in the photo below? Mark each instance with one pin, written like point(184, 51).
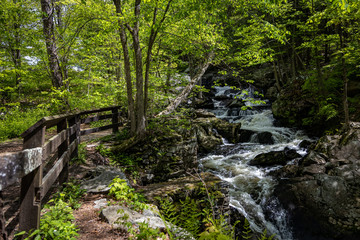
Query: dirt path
point(91, 226)
point(12, 145)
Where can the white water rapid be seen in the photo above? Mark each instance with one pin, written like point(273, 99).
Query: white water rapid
point(251, 187)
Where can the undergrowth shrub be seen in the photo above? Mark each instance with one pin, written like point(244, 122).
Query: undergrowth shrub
point(200, 221)
point(57, 219)
point(56, 223)
point(126, 195)
point(81, 156)
point(70, 194)
point(16, 120)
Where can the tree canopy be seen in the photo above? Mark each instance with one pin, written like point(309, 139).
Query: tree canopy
point(66, 55)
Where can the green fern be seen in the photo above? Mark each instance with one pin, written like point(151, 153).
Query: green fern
point(246, 233)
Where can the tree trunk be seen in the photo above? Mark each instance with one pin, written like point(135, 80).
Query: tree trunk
point(277, 82)
point(346, 125)
point(15, 49)
point(187, 90)
point(63, 57)
point(127, 70)
point(140, 114)
point(152, 37)
point(48, 27)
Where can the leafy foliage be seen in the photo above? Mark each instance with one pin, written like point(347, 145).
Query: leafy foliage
point(16, 120)
point(120, 190)
point(56, 223)
point(70, 194)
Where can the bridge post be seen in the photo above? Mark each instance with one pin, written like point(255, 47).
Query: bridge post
point(76, 135)
point(30, 201)
point(115, 119)
point(3, 233)
point(63, 177)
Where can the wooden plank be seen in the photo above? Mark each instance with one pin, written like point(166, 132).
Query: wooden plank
point(115, 120)
point(53, 143)
point(98, 129)
point(62, 126)
point(30, 205)
point(74, 135)
point(96, 118)
point(54, 120)
point(34, 127)
point(72, 129)
point(3, 233)
point(99, 110)
point(55, 171)
point(16, 165)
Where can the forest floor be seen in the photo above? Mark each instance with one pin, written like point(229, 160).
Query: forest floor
point(87, 217)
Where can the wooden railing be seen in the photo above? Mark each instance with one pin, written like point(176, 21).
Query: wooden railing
point(31, 164)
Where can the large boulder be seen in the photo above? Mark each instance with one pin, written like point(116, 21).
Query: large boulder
point(324, 195)
point(229, 131)
point(274, 158)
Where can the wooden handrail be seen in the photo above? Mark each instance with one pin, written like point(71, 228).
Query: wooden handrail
point(28, 164)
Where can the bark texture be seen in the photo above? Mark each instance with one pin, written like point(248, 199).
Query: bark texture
point(127, 70)
point(51, 48)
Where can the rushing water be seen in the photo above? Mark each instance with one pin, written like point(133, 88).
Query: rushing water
point(251, 187)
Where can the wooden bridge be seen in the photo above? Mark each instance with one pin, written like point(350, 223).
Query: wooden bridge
point(43, 162)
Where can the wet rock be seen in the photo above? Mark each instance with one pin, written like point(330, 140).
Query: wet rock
point(274, 158)
point(324, 194)
point(236, 103)
point(264, 138)
point(245, 135)
point(269, 159)
point(230, 131)
point(286, 171)
point(291, 153)
point(305, 144)
point(207, 142)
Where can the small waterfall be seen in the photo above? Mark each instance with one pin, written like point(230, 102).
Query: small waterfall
point(251, 187)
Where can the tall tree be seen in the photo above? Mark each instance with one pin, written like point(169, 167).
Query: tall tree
point(48, 10)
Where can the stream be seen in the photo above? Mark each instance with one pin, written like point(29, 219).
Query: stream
point(251, 187)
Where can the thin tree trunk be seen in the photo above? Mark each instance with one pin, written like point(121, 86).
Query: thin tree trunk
point(277, 82)
point(127, 70)
point(48, 26)
point(64, 59)
point(139, 105)
point(15, 49)
point(153, 34)
point(148, 65)
point(187, 90)
point(346, 125)
point(168, 77)
point(321, 85)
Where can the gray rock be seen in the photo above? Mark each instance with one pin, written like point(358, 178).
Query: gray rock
point(269, 159)
point(119, 216)
point(100, 183)
point(101, 203)
point(274, 158)
point(264, 138)
point(326, 187)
